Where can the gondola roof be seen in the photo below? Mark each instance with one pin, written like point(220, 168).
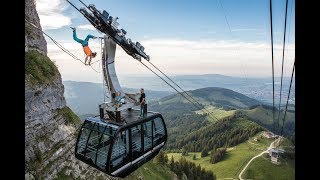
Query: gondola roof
point(127, 117)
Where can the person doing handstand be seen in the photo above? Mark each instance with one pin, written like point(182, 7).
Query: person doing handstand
point(85, 45)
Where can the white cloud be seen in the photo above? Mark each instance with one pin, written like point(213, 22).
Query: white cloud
point(86, 27)
point(181, 57)
point(51, 13)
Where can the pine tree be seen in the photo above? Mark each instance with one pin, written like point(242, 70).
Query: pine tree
point(165, 158)
point(184, 152)
point(204, 152)
point(160, 158)
point(171, 163)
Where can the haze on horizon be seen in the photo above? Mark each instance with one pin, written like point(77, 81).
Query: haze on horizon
point(192, 38)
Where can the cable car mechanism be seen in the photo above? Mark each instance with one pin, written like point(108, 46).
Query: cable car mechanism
point(118, 141)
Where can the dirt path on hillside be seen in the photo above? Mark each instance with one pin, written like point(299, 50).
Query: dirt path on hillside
point(263, 152)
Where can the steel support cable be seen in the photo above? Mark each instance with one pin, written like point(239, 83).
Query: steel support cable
point(82, 13)
point(168, 84)
point(55, 42)
point(271, 33)
point(84, 4)
point(285, 112)
point(79, 11)
point(143, 63)
point(172, 87)
point(283, 50)
point(225, 16)
point(95, 62)
point(290, 23)
point(201, 106)
point(73, 6)
point(59, 45)
point(94, 69)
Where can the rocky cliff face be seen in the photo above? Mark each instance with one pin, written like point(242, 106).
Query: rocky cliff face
point(50, 126)
point(33, 38)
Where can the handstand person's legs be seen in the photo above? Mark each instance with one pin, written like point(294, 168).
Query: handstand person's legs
point(90, 60)
point(85, 60)
point(76, 38)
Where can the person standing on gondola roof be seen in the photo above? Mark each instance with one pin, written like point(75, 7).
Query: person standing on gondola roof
point(142, 101)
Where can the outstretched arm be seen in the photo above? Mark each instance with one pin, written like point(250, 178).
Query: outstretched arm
point(89, 36)
point(76, 38)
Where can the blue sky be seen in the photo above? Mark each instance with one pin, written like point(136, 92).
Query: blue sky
point(249, 20)
point(184, 25)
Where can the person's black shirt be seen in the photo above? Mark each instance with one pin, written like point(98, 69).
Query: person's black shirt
point(142, 96)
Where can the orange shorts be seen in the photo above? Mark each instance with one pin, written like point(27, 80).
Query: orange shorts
point(87, 51)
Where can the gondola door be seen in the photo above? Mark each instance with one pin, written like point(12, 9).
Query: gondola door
point(136, 143)
point(147, 135)
point(120, 156)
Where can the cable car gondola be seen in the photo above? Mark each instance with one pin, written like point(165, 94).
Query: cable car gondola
point(120, 148)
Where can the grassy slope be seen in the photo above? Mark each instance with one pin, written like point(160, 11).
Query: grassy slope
point(259, 114)
point(39, 69)
point(262, 168)
point(69, 115)
point(219, 113)
point(233, 162)
point(265, 115)
point(152, 171)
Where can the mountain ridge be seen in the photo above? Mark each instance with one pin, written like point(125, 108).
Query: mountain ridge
point(217, 96)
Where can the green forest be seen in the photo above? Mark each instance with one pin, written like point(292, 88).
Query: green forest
point(205, 139)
